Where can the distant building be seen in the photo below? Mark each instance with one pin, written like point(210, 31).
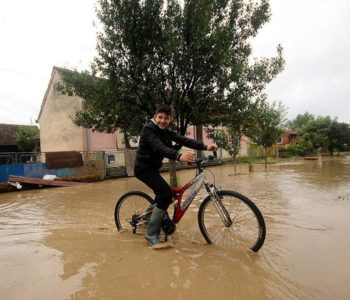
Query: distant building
point(7, 136)
point(59, 133)
point(57, 130)
point(289, 137)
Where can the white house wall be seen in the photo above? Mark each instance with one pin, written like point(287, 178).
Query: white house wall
point(57, 131)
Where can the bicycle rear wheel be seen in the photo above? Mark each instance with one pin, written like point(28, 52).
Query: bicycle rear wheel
point(129, 212)
point(247, 230)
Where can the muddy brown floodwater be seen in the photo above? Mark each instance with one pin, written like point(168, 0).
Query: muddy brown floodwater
point(61, 243)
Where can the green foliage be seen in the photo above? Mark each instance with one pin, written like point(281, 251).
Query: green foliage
point(101, 111)
point(319, 133)
point(192, 54)
point(237, 123)
point(299, 149)
point(227, 139)
point(300, 122)
point(316, 132)
point(339, 137)
point(269, 123)
point(25, 138)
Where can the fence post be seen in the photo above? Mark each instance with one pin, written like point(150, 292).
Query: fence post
point(129, 156)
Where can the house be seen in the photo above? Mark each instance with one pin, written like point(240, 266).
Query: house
point(59, 133)
point(57, 130)
point(289, 137)
point(7, 136)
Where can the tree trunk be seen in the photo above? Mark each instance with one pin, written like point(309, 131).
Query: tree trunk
point(265, 158)
point(126, 141)
point(250, 167)
point(172, 171)
point(234, 165)
point(199, 137)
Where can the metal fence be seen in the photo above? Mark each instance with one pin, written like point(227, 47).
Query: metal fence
point(8, 158)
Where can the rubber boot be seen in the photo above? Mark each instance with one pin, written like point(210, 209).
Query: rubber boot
point(153, 229)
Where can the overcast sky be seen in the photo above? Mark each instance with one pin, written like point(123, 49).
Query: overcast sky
point(39, 34)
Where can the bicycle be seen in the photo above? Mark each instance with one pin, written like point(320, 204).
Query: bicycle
point(225, 218)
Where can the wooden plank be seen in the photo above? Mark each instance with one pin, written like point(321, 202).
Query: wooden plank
point(31, 180)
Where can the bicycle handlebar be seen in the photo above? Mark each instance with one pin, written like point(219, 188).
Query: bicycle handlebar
point(201, 162)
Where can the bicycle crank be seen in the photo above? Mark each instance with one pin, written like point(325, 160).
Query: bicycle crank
point(168, 226)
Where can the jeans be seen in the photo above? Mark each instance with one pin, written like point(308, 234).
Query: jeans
point(161, 189)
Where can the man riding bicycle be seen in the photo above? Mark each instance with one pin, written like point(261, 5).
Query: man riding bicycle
point(156, 144)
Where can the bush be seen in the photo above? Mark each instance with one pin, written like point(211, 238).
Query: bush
point(296, 149)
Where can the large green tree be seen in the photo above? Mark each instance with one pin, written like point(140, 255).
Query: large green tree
point(319, 133)
point(300, 122)
point(316, 133)
point(326, 133)
point(195, 56)
point(339, 136)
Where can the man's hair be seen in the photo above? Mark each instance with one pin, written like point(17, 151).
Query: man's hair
point(163, 108)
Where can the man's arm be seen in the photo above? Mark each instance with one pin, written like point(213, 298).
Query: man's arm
point(191, 143)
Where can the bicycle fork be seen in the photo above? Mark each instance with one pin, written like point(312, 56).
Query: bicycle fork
point(219, 206)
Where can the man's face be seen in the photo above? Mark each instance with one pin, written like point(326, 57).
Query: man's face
point(162, 120)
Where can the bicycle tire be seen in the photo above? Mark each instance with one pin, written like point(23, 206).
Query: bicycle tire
point(241, 234)
point(131, 204)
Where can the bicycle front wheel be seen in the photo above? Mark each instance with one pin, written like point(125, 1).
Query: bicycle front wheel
point(246, 227)
point(129, 212)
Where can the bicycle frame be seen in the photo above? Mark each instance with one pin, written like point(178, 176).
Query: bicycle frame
point(182, 206)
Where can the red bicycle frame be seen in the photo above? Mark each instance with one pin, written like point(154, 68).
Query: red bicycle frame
point(178, 193)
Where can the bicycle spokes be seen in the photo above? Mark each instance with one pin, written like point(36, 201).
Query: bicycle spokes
point(232, 221)
point(132, 212)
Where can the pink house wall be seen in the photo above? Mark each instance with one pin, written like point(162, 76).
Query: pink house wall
point(94, 141)
point(244, 142)
point(191, 134)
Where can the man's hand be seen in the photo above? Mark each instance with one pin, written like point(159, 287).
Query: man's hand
point(212, 147)
point(187, 157)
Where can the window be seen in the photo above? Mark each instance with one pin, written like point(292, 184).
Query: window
point(279, 140)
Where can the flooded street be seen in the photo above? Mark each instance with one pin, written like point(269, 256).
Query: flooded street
point(61, 243)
